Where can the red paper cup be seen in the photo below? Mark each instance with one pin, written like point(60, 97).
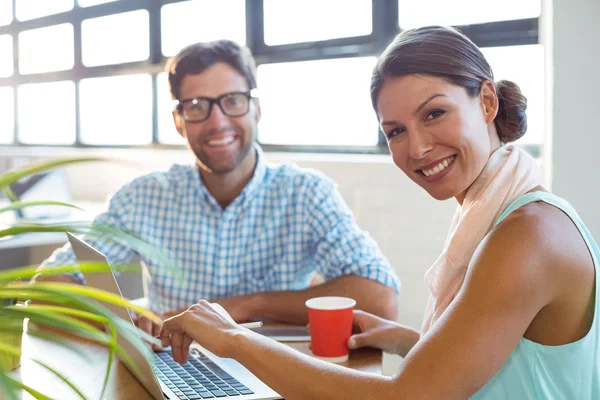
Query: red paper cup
point(330, 320)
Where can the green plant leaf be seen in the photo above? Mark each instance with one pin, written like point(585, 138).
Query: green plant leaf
point(16, 352)
point(103, 232)
point(91, 292)
point(5, 387)
point(18, 205)
point(71, 298)
point(63, 378)
point(10, 194)
point(17, 383)
point(31, 331)
point(34, 168)
point(85, 267)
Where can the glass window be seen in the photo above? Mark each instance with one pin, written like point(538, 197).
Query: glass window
point(413, 14)
point(6, 56)
point(200, 21)
point(46, 49)
point(322, 102)
point(6, 12)
point(524, 65)
point(287, 21)
point(115, 39)
point(7, 122)
point(89, 3)
point(167, 133)
point(31, 9)
point(46, 113)
point(116, 110)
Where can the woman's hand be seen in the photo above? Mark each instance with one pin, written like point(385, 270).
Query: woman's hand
point(206, 323)
point(382, 334)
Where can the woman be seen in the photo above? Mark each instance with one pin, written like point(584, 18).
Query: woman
point(513, 308)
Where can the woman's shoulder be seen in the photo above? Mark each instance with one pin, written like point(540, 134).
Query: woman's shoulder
point(541, 237)
point(539, 225)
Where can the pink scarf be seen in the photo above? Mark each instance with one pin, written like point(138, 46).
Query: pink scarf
point(509, 173)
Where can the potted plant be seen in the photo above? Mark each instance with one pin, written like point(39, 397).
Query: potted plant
point(65, 307)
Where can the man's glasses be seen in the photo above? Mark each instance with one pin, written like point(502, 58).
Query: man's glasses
point(198, 109)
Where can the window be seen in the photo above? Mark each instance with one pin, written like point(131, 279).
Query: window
point(317, 105)
point(89, 3)
point(116, 110)
point(524, 65)
point(167, 133)
point(106, 59)
point(46, 49)
point(5, 12)
point(7, 125)
point(46, 113)
point(6, 56)
point(288, 21)
point(115, 39)
point(413, 14)
point(194, 21)
point(32, 9)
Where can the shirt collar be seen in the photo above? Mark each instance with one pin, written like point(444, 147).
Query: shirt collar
point(251, 188)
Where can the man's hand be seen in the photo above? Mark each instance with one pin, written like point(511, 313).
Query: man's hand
point(240, 308)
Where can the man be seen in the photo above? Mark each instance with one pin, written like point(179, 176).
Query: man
point(246, 234)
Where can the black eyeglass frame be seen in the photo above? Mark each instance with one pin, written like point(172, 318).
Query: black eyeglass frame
point(250, 94)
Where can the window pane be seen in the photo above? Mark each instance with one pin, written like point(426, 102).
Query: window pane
point(30, 9)
point(6, 16)
point(524, 65)
point(201, 21)
point(287, 21)
point(166, 128)
point(46, 49)
point(413, 14)
point(46, 113)
point(317, 105)
point(115, 39)
point(116, 110)
point(88, 3)
point(6, 56)
point(7, 122)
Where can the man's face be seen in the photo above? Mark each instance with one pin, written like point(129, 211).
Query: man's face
point(220, 143)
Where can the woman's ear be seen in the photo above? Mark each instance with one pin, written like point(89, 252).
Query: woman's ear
point(489, 101)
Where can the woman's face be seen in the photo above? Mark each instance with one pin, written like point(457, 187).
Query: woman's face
point(437, 134)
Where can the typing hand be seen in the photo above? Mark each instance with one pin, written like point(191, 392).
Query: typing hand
point(207, 323)
point(148, 326)
point(374, 331)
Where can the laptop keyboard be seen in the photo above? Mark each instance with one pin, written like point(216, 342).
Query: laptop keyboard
point(199, 378)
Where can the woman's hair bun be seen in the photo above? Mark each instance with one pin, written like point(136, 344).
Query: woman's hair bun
point(511, 120)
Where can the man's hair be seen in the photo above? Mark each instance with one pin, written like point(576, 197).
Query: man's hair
point(198, 57)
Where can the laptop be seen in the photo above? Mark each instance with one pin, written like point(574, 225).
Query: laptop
point(204, 376)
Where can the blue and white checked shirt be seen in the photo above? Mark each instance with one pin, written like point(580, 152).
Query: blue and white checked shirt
point(286, 224)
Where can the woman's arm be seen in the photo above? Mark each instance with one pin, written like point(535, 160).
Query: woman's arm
point(508, 282)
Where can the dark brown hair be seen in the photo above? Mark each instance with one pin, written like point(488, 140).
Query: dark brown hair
point(198, 57)
point(448, 54)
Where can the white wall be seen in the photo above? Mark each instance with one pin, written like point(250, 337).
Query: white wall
point(576, 128)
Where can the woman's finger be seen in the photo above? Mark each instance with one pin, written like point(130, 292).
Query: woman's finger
point(187, 341)
point(165, 332)
point(176, 346)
